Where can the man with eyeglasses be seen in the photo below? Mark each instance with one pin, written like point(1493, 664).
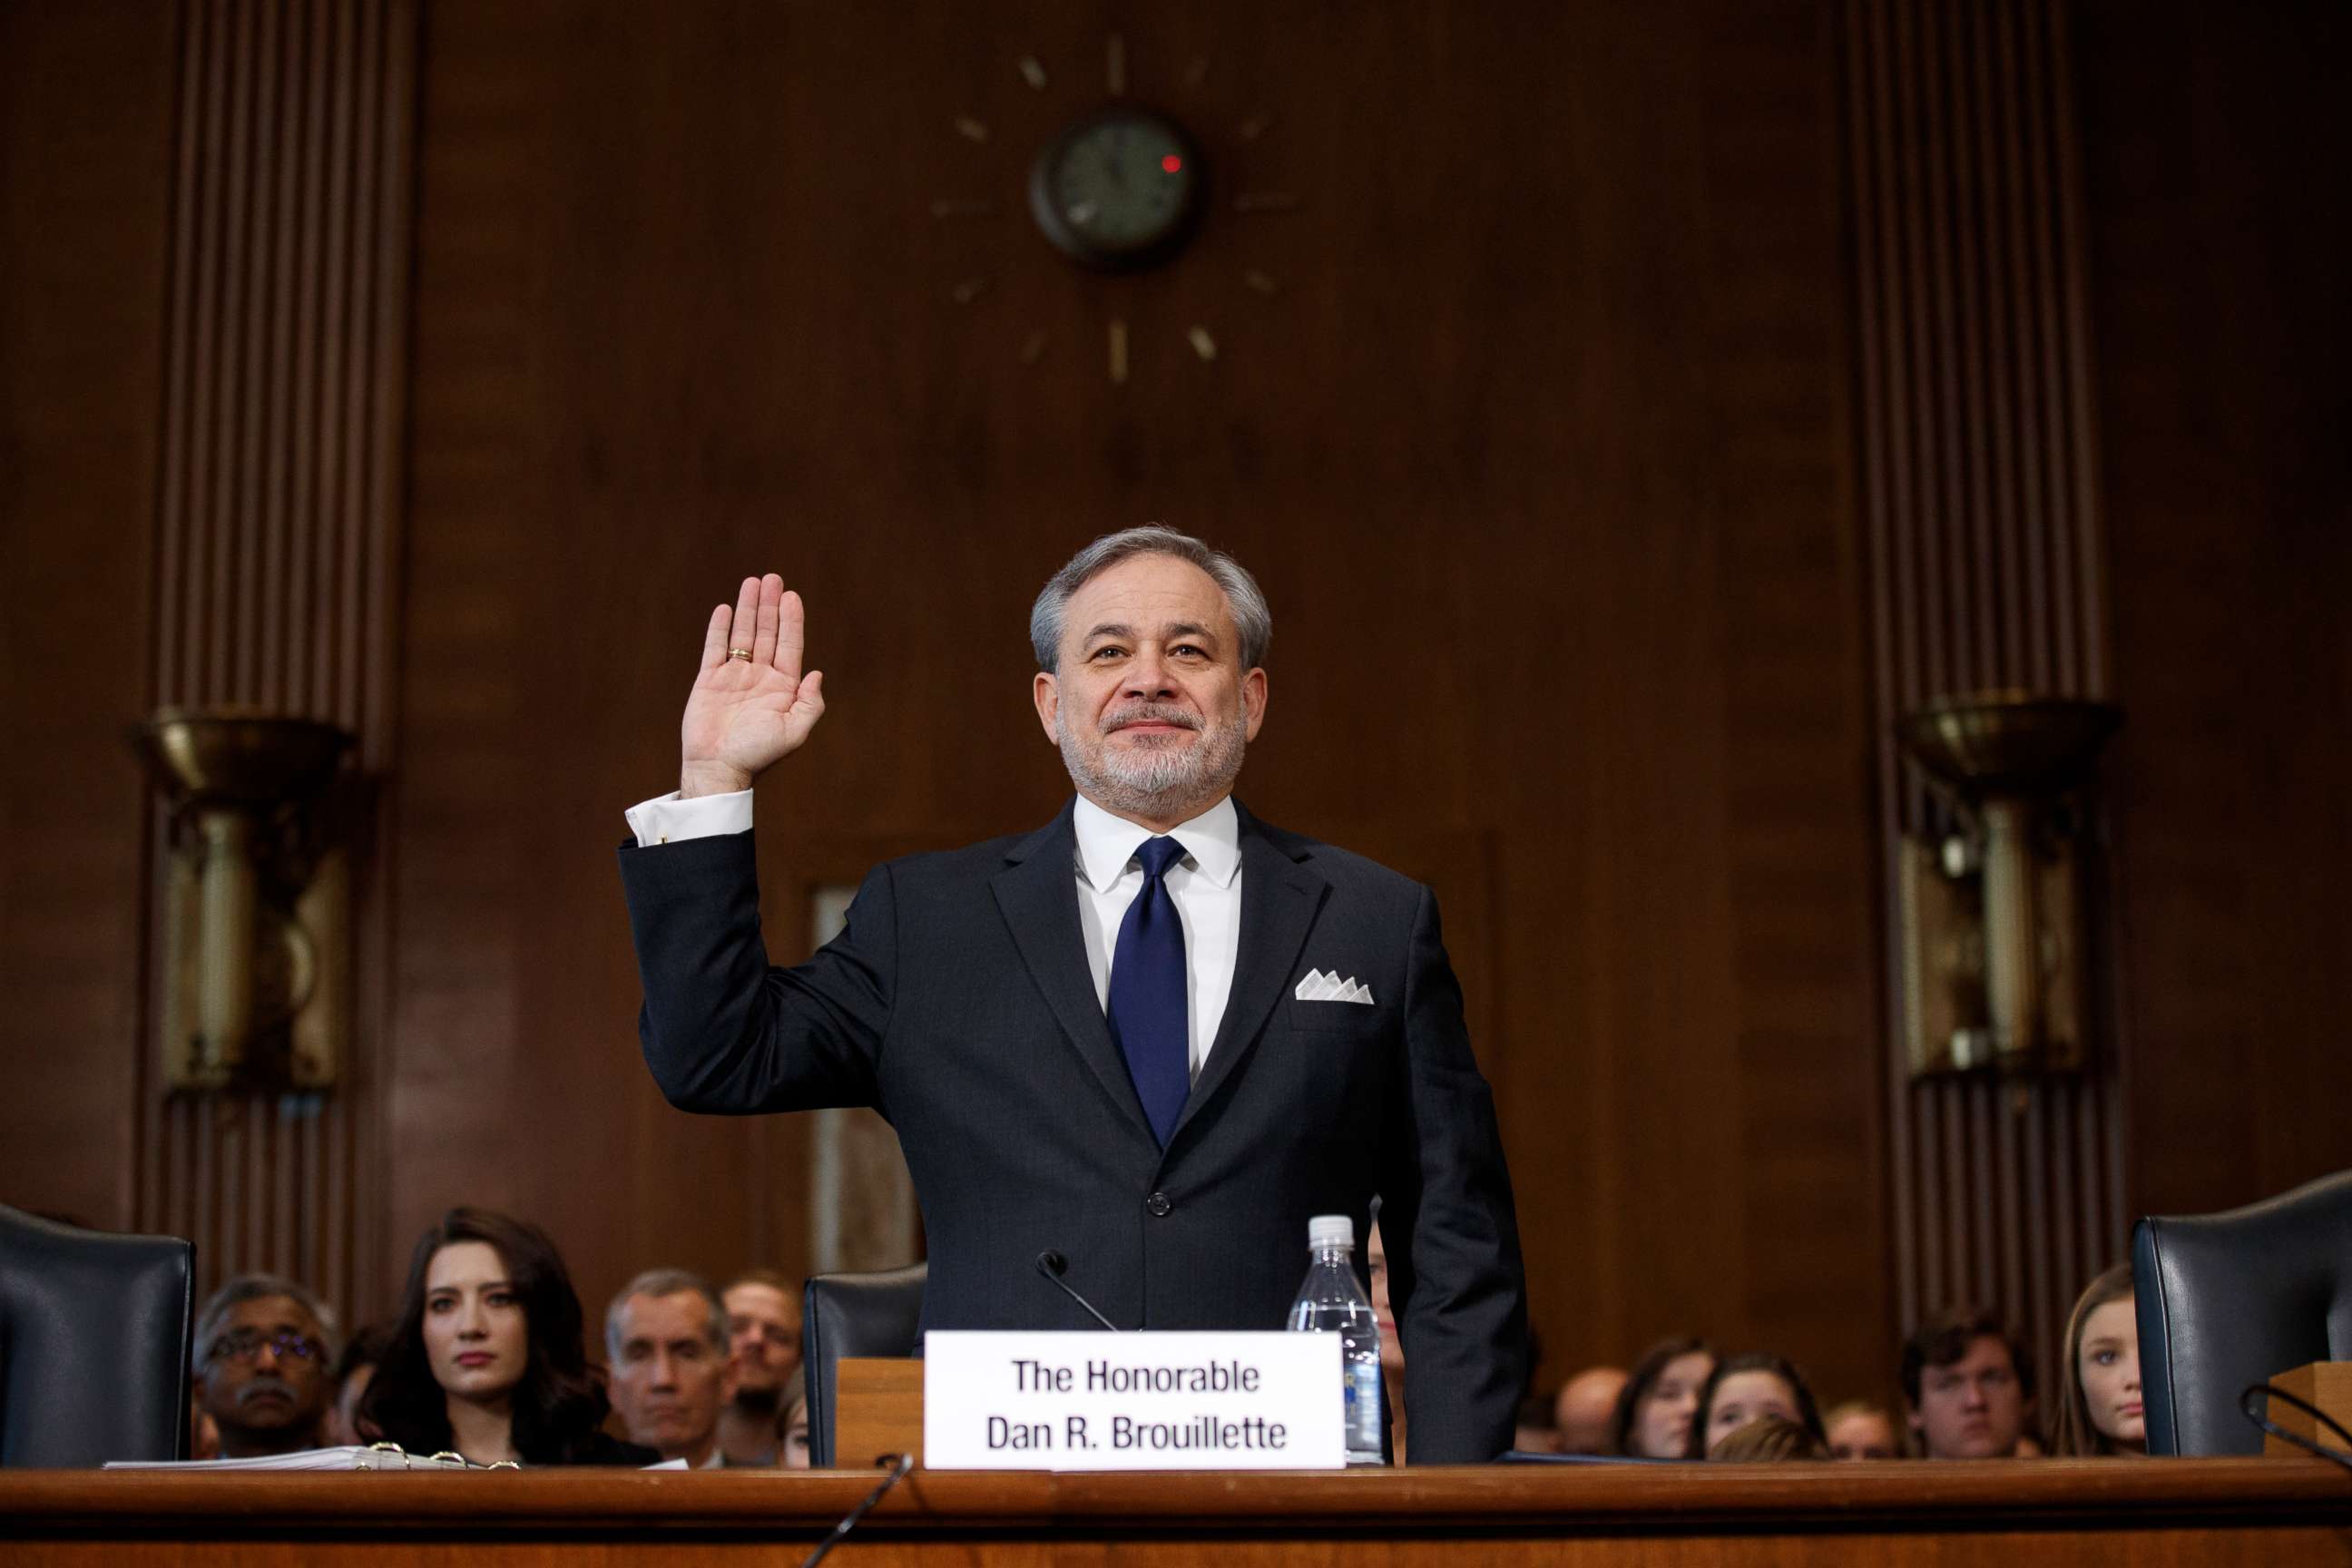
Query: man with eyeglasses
point(264, 1349)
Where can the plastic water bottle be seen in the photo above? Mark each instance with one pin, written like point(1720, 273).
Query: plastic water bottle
point(1332, 1302)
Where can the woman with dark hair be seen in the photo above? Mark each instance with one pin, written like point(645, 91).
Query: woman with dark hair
point(2099, 1411)
point(487, 1357)
point(1744, 1388)
point(1653, 1418)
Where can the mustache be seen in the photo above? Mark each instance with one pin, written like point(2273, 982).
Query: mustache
point(1149, 713)
point(264, 1385)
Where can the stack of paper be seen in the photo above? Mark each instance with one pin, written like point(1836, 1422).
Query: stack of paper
point(384, 1456)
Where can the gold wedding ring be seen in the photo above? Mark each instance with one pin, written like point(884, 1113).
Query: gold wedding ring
point(742, 653)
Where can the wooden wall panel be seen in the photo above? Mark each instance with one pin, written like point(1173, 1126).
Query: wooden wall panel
point(1793, 802)
point(85, 199)
point(2222, 319)
point(1981, 514)
point(516, 1078)
point(1538, 443)
point(276, 541)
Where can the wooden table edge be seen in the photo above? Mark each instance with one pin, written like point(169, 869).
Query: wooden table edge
point(1566, 1500)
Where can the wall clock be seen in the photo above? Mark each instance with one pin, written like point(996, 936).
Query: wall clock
point(1116, 192)
point(1119, 190)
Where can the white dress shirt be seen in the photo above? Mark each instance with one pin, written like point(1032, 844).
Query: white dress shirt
point(1205, 884)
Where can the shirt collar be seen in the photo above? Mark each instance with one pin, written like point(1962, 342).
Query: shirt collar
point(1106, 844)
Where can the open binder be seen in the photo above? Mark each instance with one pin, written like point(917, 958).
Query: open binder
point(375, 1457)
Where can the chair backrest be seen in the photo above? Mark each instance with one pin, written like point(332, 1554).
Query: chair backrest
point(94, 1333)
point(2226, 1301)
point(854, 1315)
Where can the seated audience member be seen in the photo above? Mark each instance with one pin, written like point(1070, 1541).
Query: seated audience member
point(1768, 1439)
point(1652, 1418)
point(1534, 1433)
point(1376, 1267)
point(1968, 1386)
point(353, 1374)
point(667, 1365)
point(263, 1348)
point(1746, 1388)
point(763, 1326)
point(487, 1357)
point(1861, 1430)
point(1581, 1413)
point(792, 1423)
point(2099, 1408)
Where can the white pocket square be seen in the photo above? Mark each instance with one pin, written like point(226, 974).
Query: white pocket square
point(1320, 987)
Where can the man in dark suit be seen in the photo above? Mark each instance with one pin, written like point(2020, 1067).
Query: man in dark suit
point(1155, 1036)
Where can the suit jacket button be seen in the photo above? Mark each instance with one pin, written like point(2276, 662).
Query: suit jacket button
point(1159, 1204)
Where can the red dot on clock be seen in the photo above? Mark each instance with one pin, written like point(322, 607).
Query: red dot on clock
point(1172, 164)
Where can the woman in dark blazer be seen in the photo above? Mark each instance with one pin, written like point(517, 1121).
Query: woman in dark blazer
point(486, 1358)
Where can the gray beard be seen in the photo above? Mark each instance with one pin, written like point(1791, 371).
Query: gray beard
point(1155, 778)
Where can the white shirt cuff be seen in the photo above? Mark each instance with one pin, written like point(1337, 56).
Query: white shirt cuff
point(667, 819)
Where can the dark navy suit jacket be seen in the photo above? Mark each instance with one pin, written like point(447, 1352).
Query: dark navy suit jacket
point(958, 1002)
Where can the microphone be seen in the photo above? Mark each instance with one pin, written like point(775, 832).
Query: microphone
point(1051, 1264)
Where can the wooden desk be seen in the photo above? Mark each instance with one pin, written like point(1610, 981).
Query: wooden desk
point(2009, 1514)
point(2325, 1383)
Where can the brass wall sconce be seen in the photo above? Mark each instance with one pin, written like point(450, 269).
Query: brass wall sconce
point(1992, 934)
point(256, 904)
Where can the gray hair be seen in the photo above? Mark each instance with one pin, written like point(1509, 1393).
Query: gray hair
point(660, 1282)
point(244, 1287)
point(1251, 617)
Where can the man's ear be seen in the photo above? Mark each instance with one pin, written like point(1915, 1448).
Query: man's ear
point(1046, 692)
point(1252, 702)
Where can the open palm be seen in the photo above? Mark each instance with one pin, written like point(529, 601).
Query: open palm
point(744, 713)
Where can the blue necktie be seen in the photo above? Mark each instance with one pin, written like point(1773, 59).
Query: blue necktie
point(1148, 994)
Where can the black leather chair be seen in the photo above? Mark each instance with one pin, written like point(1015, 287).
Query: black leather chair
point(2230, 1299)
point(93, 1343)
point(853, 1315)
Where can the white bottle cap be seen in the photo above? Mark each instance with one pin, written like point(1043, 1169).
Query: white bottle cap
point(1331, 1230)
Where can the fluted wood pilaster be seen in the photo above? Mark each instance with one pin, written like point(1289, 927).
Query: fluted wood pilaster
point(1980, 506)
point(277, 527)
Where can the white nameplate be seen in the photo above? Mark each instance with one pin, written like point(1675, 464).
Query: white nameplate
point(1132, 1401)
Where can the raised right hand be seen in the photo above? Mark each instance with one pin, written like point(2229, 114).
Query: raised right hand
point(743, 714)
